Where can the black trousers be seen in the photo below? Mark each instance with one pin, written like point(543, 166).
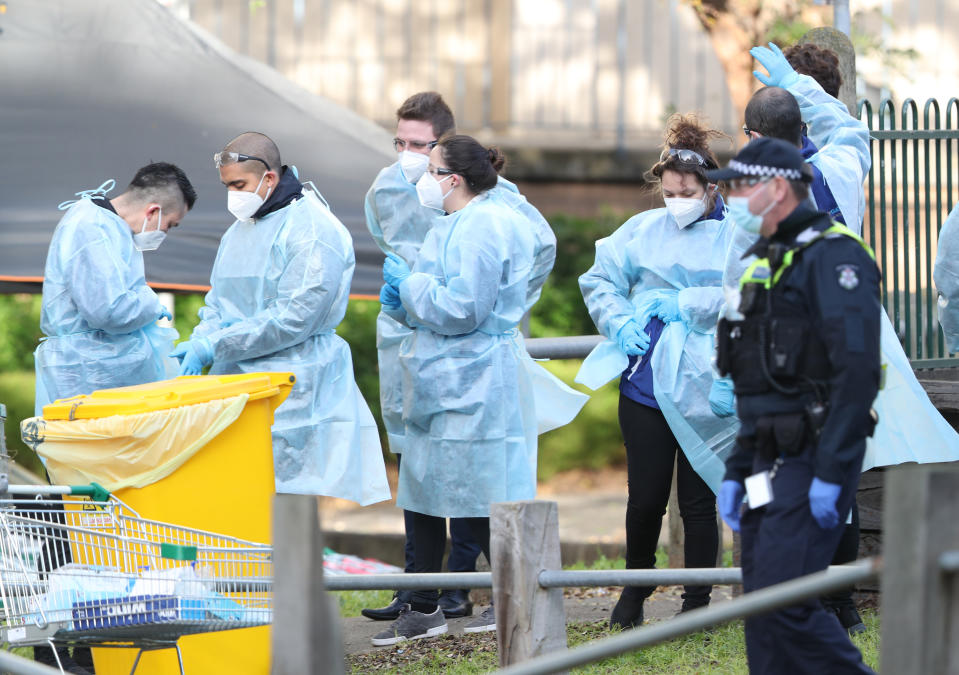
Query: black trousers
point(782, 541)
point(463, 549)
point(429, 544)
point(651, 450)
point(846, 552)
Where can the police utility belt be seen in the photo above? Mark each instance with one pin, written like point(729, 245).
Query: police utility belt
point(774, 349)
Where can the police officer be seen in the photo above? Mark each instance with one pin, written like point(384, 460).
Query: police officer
point(803, 353)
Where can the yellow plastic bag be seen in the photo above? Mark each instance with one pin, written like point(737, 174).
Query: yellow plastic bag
point(121, 451)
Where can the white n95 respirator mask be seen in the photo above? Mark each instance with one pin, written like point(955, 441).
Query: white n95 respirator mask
point(244, 204)
point(149, 240)
point(430, 192)
point(413, 164)
point(686, 210)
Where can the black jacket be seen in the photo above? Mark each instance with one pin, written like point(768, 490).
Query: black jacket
point(834, 284)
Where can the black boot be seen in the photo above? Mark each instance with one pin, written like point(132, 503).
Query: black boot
point(456, 603)
point(628, 612)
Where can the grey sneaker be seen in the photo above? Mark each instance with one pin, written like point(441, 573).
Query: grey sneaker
point(485, 622)
point(412, 626)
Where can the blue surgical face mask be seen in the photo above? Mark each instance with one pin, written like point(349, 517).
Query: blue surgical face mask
point(741, 215)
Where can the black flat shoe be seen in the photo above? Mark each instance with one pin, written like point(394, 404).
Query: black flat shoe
point(455, 604)
point(392, 611)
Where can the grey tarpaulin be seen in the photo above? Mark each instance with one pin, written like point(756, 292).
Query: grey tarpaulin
point(94, 89)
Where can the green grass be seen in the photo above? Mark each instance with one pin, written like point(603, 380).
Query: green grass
point(720, 652)
point(593, 439)
point(351, 602)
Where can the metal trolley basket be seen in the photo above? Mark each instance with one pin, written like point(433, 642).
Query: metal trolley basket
point(78, 566)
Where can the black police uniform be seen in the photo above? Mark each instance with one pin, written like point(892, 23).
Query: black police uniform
point(806, 368)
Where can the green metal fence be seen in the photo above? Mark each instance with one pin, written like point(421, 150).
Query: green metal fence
point(910, 190)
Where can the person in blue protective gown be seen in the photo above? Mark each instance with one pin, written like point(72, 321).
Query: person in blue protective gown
point(832, 141)
point(399, 224)
point(98, 314)
point(946, 276)
point(802, 348)
point(799, 105)
point(655, 292)
point(279, 288)
point(467, 407)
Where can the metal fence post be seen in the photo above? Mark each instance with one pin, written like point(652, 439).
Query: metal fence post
point(524, 540)
point(306, 626)
point(920, 524)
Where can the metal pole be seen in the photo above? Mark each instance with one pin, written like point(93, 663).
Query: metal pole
point(621, 45)
point(661, 577)
point(949, 562)
point(547, 579)
point(841, 21)
point(751, 604)
point(17, 665)
point(575, 347)
point(404, 582)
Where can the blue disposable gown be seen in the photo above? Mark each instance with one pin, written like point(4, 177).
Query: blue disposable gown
point(466, 421)
point(946, 276)
point(843, 143)
point(279, 288)
point(650, 256)
point(98, 313)
point(399, 224)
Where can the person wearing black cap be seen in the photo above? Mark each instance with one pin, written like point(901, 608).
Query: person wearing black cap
point(801, 343)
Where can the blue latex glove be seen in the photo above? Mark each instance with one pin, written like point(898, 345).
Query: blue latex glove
point(730, 501)
point(722, 401)
point(165, 314)
point(390, 297)
point(774, 62)
point(822, 503)
point(395, 270)
point(632, 339)
point(194, 356)
point(666, 308)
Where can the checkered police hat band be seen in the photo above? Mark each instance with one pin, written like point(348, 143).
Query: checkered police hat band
point(764, 171)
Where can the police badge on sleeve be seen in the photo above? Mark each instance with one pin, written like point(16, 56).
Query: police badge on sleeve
point(848, 276)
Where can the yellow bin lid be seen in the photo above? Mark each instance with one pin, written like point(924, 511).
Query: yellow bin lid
point(168, 394)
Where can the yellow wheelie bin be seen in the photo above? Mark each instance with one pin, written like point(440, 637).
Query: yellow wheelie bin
point(193, 451)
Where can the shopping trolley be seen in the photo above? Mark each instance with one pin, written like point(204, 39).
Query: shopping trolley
point(79, 567)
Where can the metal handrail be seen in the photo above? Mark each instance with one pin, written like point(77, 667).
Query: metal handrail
point(574, 347)
point(750, 604)
point(547, 579)
point(17, 665)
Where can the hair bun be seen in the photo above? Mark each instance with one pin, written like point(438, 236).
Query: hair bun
point(496, 158)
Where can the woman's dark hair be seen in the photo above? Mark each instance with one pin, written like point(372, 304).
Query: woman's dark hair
point(686, 132)
point(479, 166)
point(820, 64)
